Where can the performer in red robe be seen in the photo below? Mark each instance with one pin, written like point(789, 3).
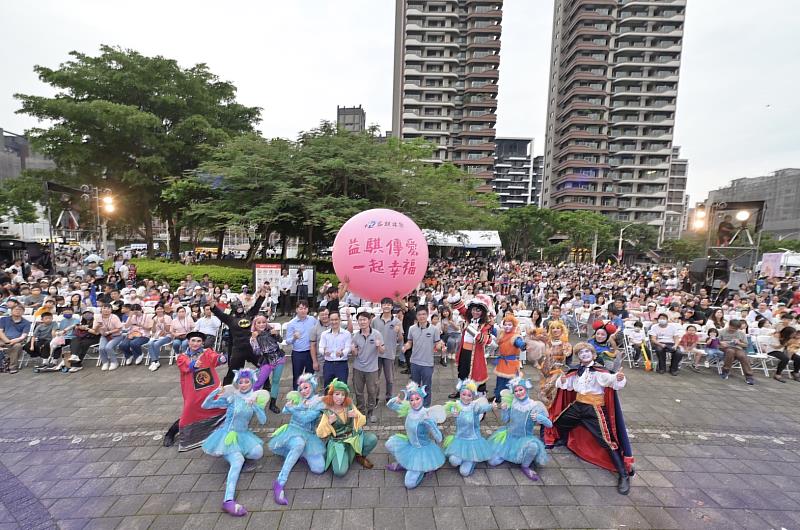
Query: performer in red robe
point(587, 416)
point(470, 356)
point(198, 379)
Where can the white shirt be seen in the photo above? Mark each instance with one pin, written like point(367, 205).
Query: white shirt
point(665, 335)
point(208, 325)
point(591, 382)
point(330, 343)
point(285, 283)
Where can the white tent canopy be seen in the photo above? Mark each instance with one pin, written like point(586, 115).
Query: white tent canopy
point(464, 239)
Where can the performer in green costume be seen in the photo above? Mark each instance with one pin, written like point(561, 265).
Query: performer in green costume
point(341, 424)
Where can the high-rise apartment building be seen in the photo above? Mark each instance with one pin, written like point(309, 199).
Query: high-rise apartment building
point(611, 110)
point(353, 119)
point(517, 173)
point(447, 56)
point(677, 205)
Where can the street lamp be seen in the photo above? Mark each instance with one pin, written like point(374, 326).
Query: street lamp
point(108, 204)
point(619, 247)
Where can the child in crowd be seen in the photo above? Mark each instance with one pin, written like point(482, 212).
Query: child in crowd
point(688, 345)
point(713, 351)
point(637, 338)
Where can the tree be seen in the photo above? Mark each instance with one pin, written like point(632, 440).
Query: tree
point(522, 230)
point(683, 250)
point(17, 198)
point(130, 122)
point(769, 243)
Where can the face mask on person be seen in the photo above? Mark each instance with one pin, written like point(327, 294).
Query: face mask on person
point(662, 322)
point(585, 356)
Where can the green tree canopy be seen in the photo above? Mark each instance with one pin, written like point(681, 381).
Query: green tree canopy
point(134, 124)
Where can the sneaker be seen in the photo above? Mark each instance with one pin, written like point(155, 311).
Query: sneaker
point(13, 370)
point(74, 358)
point(724, 375)
point(128, 361)
point(749, 380)
point(104, 367)
point(75, 369)
point(706, 364)
point(139, 359)
point(155, 365)
point(695, 368)
point(373, 419)
point(113, 366)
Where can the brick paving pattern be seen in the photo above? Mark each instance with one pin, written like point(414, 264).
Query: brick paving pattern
point(83, 451)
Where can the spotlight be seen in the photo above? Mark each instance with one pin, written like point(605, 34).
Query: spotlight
point(742, 215)
point(700, 214)
point(699, 224)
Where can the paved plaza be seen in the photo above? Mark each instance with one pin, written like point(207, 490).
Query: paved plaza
point(84, 451)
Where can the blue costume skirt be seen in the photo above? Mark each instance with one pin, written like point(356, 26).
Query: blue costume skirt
point(422, 459)
point(513, 448)
point(477, 450)
point(281, 444)
point(237, 442)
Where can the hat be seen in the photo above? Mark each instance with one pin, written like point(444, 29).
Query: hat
point(193, 334)
point(482, 301)
point(519, 380)
point(414, 388)
point(467, 384)
point(308, 378)
point(341, 386)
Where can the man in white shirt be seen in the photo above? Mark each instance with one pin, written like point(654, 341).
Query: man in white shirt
point(335, 345)
point(284, 292)
point(209, 325)
point(755, 315)
point(664, 337)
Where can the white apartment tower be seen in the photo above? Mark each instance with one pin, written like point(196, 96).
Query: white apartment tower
point(611, 109)
point(447, 56)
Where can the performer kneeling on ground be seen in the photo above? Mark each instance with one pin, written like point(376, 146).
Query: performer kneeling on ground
point(587, 413)
point(467, 447)
point(199, 378)
point(416, 451)
point(342, 425)
point(234, 440)
point(298, 438)
point(517, 442)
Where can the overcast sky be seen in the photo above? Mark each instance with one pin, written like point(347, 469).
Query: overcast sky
point(738, 104)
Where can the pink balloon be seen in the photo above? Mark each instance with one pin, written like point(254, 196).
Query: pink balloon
point(381, 253)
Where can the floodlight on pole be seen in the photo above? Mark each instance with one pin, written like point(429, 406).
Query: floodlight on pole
point(108, 204)
point(742, 215)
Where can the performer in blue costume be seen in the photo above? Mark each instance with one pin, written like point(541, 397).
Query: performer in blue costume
point(298, 438)
point(467, 446)
point(416, 451)
point(233, 440)
point(516, 442)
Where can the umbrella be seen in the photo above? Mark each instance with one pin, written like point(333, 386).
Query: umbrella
point(92, 257)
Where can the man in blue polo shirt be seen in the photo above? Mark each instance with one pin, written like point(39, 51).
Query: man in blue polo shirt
point(14, 332)
point(299, 332)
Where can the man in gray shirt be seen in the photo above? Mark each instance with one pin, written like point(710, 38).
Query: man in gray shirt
point(423, 339)
point(390, 327)
point(322, 326)
point(367, 345)
point(733, 341)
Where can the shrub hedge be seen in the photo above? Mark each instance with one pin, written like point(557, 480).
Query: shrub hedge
point(234, 276)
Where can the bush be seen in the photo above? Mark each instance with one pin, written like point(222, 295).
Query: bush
point(234, 273)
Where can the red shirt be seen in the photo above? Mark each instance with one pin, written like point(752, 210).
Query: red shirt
point(193, 410)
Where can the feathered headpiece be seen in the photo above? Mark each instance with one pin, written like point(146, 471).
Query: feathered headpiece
point(310, 379)
point(467, 384)
point(338, 385)
point(244, 373)
point(519, 380)
point(414, 388)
